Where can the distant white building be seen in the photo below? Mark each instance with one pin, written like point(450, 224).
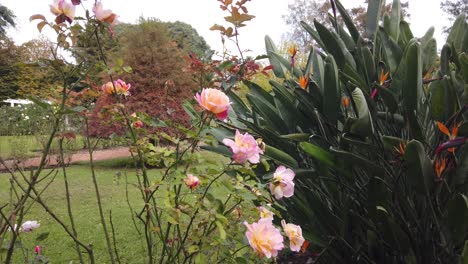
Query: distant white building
point(15, 102)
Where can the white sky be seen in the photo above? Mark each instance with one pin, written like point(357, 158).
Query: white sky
point(202, 14)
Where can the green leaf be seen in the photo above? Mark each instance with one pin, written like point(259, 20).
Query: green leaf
point(457, 215)
point(318, 153)
point(193, 249)
point(362, 126)
point(349, 22)
point(354, 159)
point(277, 68)
point(280, 156)
point(377, 195)
point(457, 34)
point(391, 49)
point(331, 93)
point(412, 88)
point(42, 236)
point(405, 34)
point(464, 256)
point(319, 70)
point(221, 230)
point(373, 17)
point(314, 34)
point(420, 173)
point(331, 44)
point(395, 18)
point(286, 63)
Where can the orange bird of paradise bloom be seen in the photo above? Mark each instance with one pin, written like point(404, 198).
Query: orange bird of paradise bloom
point(383, 77)
point(440, 167)
point(451, 134)
point(303, 81)
point(401, 148)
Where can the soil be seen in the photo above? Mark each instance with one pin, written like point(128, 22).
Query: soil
point(69, 159)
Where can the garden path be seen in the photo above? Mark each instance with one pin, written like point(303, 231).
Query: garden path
point(83, 155)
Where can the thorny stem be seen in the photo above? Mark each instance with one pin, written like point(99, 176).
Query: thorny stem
point(98, 195)
point(67, 194)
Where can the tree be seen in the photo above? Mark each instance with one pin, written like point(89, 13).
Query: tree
point(188, 39)
point(6, 19)
point(159, 80)
point(9, 70)
point(320, 10)
point(453, 8)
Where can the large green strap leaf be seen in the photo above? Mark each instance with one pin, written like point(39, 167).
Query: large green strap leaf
point(257, 91)
point(457, 217)
point(331, 43)
point(412, 88)
point(420, 173)
point(331, 93)
point(352, 159)
point(280, 156)
point(277, 66)
point(457, 33)
point(405, 34)
point(395, 18)
point(314, 34)
point(363, 125)
point(318, 69)
point(268, 112)
point(349, 22)
point(373, 17)
point(442, 100)
point(318, 153)
point(391, 49)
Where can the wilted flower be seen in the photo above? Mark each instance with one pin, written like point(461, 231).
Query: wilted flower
point(264, 238)
point(294, 233)
point(265, 213)
point(64, 11)
point(29, 226)
point(282, 183)
point(104, 15)
point(119, 87)
point(214, 101)
point(192, 181)
point(244, 147)
point(138, 124)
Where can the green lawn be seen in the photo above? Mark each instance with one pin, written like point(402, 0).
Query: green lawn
point(58, 247)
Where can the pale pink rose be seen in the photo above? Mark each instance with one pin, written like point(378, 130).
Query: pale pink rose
point(282, 183)
point(64, 10)
point(294, 233)
point(215, 101)
point(104, 15)
point(119, 87)
point(244, 147)
point(29, 226)
point(264, 238)
point(192, 181)
point(265, 213)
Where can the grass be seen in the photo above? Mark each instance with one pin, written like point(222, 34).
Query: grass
point(112, 176)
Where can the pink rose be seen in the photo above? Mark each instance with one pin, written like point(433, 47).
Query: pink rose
point(244, 147)
point(104, 15)
point(64, 11)
point(264, 238)
point(119, 87)
point(282, 183)
point(29, 226)
point(294, 233)
point(192, 181)
point(265, 213)
point(215, 101)
point(37, 250)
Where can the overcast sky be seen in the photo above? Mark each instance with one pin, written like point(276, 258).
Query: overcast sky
point(202, 14)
